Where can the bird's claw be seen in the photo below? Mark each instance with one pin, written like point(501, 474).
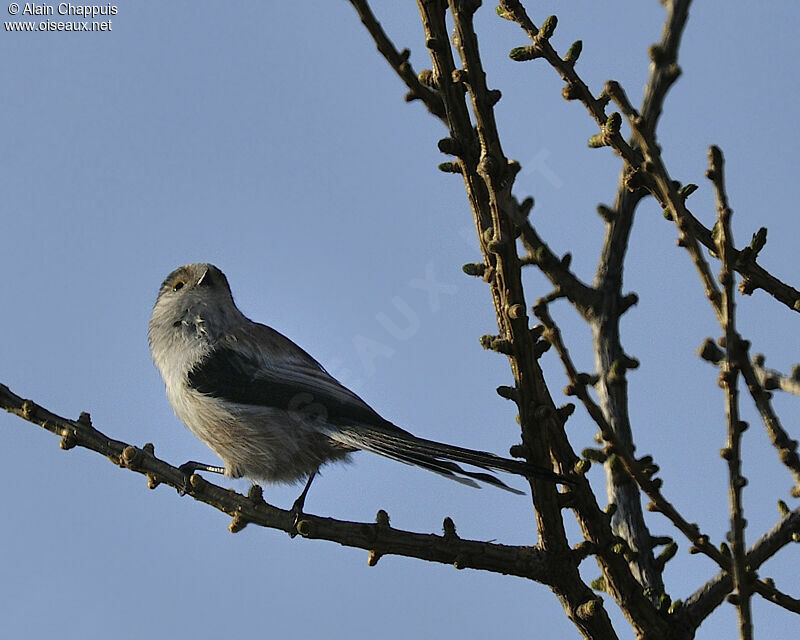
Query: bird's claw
point(297, 512)
point(187, 469)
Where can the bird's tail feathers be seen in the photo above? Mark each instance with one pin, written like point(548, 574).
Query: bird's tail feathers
point(447, 469)
point(439, 457)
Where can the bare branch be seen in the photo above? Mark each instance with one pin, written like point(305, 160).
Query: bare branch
point(640, 173)
point(728, 381)
point(609, 352)
point(666, 191)
point(708, 597)
point(581, 294)
point(641, 471)
point(664, 70)
point(378, 538)
point(399, 61)
point(584, 297)
point(629, 520)
point(576, 88)
point(713, 593)
point(786, 446)
point(488, 178)
point(771, 379)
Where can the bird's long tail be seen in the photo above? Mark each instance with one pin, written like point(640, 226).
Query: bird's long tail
point(439, 457)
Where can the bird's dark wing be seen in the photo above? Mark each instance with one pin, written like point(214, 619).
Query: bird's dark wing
point(258, 366)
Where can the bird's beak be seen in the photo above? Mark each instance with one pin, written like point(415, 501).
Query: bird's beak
point(200, 280)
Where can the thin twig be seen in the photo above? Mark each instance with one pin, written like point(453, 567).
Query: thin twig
point(786, 446)
point(584, 297)
point(666, 192)
point(664, 70)
point(732, 452)
point(576, 88)
point(771, 379)
point(399, 61)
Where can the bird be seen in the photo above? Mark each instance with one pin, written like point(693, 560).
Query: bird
point(268, 409)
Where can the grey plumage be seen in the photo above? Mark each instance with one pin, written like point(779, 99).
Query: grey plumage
point(266, 407)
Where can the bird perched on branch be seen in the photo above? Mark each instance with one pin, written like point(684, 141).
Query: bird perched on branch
point(267, 408)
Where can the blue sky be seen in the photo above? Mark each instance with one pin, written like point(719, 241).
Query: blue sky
point(272, 140)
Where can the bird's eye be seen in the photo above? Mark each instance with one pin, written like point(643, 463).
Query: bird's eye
point(178, 285)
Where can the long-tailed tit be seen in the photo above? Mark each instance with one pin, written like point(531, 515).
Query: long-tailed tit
point(266, 407)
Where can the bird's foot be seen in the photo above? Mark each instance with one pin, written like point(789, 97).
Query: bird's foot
point(188, 469)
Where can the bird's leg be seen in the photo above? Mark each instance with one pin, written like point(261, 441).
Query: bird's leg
point(297, 506)
point(188, 468)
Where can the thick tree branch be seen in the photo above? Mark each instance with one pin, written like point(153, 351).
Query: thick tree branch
point(378, 538)
point(487, 179)
point(604, 321)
